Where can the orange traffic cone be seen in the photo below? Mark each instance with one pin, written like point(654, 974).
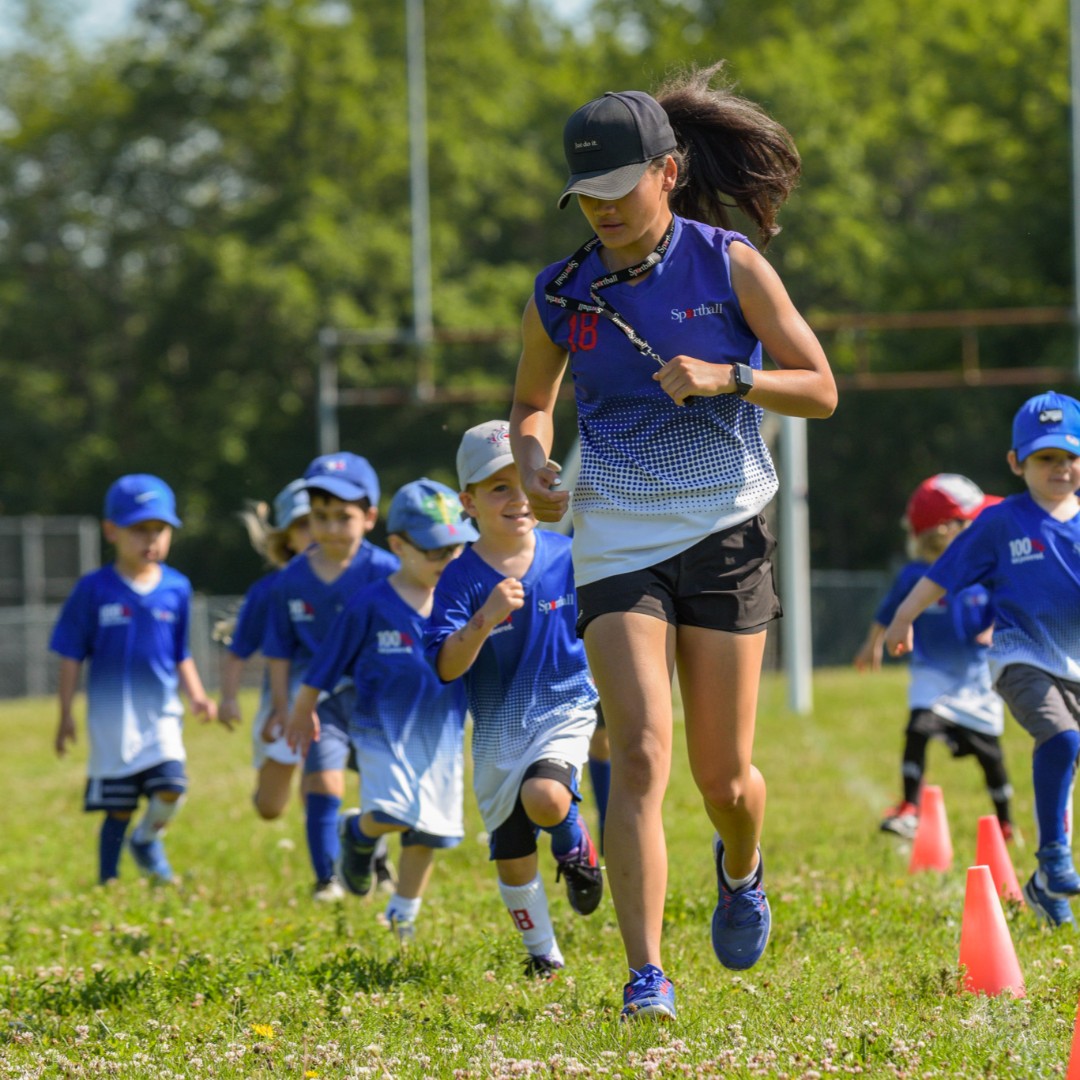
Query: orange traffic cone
point(986, 950)
point(1073, 1072)
point(990, 851)
point(932, 848)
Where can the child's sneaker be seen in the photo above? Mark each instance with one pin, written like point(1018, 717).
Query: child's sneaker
point(648, 993)
point(1056, 874)
point(328, 891)
point(1055, 910)
point(902, 820)
point(355, 862)
point(742, 919)
point(150, 857)
point(584, 878)
point(542, 967)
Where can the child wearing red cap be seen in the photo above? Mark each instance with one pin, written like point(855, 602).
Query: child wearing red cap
point(950, 695)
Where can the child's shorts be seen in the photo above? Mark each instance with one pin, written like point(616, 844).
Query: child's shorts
point(1043, 704)
point(333, 752)
point(723, 582)
point(121, 793)
point(414, 837)
point(516, 836)
point(263, 751)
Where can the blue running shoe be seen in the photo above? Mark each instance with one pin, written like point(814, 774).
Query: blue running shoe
point(151, 859)
point(1057, 875)
point(355, 864)
point(1053, 909)
point(648, 993)
point(742, 920)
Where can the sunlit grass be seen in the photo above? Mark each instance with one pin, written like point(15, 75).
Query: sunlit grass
point(237, 973)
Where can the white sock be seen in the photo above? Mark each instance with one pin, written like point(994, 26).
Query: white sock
point(528, 908)
point(401, 909)
point(158, 814)
point(734, 884)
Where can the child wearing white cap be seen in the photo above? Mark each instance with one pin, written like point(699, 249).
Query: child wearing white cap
point(1026, 552)
point(950, 695)
point(277, 539)
point(129, 621)
point(503, 618)
point(407, 726)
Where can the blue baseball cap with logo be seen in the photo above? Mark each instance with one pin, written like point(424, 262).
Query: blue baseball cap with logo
point(290, 503)
point(345, 476)
point(431, 515)
point(1049, 420)
point(140, 497)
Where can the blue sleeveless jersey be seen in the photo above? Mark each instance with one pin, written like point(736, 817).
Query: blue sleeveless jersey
point(663, 476)
point(250, 629)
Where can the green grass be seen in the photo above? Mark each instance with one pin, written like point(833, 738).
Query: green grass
point(237, 974)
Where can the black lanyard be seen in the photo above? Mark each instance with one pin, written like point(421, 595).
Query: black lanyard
point(600, 306)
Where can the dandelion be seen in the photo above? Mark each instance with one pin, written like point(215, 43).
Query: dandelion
point(311, 1075)
point(265, 1030)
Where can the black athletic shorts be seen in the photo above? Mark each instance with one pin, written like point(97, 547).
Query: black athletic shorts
point(725, 582)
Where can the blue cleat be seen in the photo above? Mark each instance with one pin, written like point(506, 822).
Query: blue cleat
point(151, 859)
point(1057, 875)
point(1055, 910)
point(742, 920)
point(648, 993)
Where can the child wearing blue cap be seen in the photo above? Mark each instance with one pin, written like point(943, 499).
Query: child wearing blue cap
point(129, 621)
point(305, 598)
point(278, 540)
point(504, 618)
point(406, 726)
point(1026, 552)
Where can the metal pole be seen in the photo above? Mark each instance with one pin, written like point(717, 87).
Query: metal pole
point(423, 328)
point(327, 418)
point(795, 564)
point(1074, 65)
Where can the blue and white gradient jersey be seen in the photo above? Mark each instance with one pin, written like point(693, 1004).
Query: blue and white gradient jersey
point(407, 726)
point(530, 692)
point(134, 642)
point(251, 619)
point(656, 477)
point(1030, 563)
point(949, 674)
point(302, 605)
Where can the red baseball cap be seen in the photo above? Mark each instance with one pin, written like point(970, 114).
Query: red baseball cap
point(945, 497)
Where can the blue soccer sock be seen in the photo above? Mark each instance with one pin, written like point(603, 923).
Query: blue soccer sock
point(567, 834)
point(600, 775)
point(110, 846)
point(322, 834)
point(1053, 766)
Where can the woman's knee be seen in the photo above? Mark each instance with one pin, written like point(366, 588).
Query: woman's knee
point(724, 791)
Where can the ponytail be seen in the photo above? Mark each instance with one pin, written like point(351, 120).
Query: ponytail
point(731, 153)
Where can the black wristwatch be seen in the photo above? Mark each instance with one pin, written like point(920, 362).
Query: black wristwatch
point(744, 379)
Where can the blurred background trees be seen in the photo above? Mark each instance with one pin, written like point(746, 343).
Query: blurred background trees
point(184, 207)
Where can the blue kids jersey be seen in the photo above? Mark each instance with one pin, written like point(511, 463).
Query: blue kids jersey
point(134, 642)
point(530, 684)
point(1030, 563)
point(251, 619)
point(949, 674)
point(406, 720)
point(302, 605)
point(657, 477)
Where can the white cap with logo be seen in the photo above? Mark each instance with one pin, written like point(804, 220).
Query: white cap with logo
point(484, 450)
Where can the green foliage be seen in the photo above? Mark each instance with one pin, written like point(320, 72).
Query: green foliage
point(182, 210)
point(236, 973)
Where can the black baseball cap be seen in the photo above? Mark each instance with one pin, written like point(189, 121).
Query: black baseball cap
point(610, 141)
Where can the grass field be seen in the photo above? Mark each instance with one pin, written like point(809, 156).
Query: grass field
point(237, 974)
